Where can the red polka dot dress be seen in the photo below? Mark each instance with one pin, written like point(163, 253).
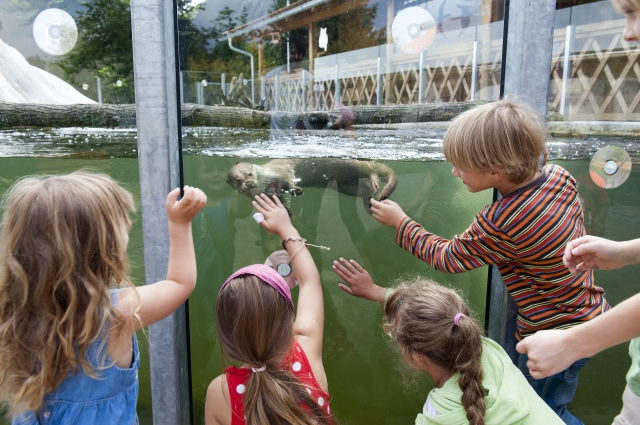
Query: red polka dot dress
point(299, 365)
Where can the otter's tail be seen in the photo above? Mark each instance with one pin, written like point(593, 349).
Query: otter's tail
point(388, 175)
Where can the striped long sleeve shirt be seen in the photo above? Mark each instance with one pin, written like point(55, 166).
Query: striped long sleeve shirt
point(524, 234)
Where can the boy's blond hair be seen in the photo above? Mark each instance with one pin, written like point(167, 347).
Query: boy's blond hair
point(505, 134)
point(622, 5)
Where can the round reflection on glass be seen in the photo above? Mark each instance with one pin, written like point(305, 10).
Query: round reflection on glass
point(610, 167)
point(119, 83)
point(204, 83)
point(280, 261)
point(55, 31)
point(85, 86)
point(413, 29)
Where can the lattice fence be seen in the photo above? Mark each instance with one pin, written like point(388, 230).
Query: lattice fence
point(604, 74)
point(603, 83)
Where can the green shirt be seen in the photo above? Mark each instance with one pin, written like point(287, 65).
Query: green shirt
point(633, 376)
point(509, 397)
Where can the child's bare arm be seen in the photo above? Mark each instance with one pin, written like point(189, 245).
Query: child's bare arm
point(309, 322)
point(358, 282)
point(387, 213)
point(160, 299)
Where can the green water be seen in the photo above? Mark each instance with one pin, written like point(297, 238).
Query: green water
point(125, 170)
point(364, 374)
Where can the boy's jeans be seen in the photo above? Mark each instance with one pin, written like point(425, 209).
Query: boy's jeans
point(556, 390)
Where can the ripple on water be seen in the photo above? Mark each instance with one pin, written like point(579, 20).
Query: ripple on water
point(389, 145)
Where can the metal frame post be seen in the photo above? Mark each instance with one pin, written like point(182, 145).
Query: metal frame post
point(474, 70)
point(337, 101)
point(154, 30)
point(99, 90)
point(223, 84)
point(526, 63)
point(276, 94)
point(379, 83)
point(304, 90)
point(263, 88)
point(421, 78)
point(565, 72)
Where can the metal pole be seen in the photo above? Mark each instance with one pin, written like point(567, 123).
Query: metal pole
point(253, 89)
point(421, 78)
point(565, 72)
point(199, 93)
point(337, 102)
point(288, 57)
point(223, 84)
point(474, 69)
point(304, 90)
point(379, 83)
point(99, 90)
point(181, 88)
point(263, 88)
point(526, 65)
point(277, 93)
point(153, 25)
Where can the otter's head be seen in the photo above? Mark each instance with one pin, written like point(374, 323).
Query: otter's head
point(243, 177)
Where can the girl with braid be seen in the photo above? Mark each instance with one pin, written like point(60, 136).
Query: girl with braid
point(476, 382)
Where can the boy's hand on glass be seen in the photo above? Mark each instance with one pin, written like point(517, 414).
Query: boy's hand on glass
point(549, 352)
point(276, 217)
point(185, 209)
point(358, 281)
point(387, 212)
point(592, 252)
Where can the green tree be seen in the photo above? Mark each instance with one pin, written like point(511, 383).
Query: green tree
point(104, 49)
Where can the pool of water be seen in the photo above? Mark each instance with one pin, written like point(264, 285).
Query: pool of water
point(366, 377)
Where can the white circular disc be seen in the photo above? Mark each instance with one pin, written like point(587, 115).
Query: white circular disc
point(610, 167)
point(413, 29)
point(204, 83)
point(55, 31)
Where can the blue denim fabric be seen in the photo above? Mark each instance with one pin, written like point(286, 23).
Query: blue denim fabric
point(556, 390)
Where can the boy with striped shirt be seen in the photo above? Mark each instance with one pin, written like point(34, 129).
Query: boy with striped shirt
point(498, 145)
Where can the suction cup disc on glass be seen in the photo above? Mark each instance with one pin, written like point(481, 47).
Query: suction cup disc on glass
point(610, 167)
point(413, 29)
point(280, 261)
point(55, 31)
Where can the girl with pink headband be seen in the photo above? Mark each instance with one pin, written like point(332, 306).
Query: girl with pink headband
point(281, 379)
point(476, 382)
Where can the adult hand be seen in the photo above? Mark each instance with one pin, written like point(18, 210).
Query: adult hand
point(592, 252)
point(185, 209)
point(387, 212)
point(276, 217)
point(549, 352)
point(358, 281)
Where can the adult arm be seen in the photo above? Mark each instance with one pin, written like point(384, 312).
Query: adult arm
point(553, 351)
point(592, 252)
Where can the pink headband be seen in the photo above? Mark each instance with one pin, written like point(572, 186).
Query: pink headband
point(267, 275)
point(457, 318)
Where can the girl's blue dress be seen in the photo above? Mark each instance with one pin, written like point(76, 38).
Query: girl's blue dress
point(82, 400)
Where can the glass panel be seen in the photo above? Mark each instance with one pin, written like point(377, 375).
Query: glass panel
point(601, 81)
point(330, 85)
point(612, 214)
point(58, 59)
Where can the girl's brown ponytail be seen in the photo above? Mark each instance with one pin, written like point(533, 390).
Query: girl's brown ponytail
point(255, 327)
point(420, 316)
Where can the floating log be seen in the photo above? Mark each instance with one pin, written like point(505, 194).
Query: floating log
point(95, 115)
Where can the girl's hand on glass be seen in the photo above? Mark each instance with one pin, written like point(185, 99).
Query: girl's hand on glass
point(185, 209)
point(276, 217)
point(387, 212)
point(358, 281)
